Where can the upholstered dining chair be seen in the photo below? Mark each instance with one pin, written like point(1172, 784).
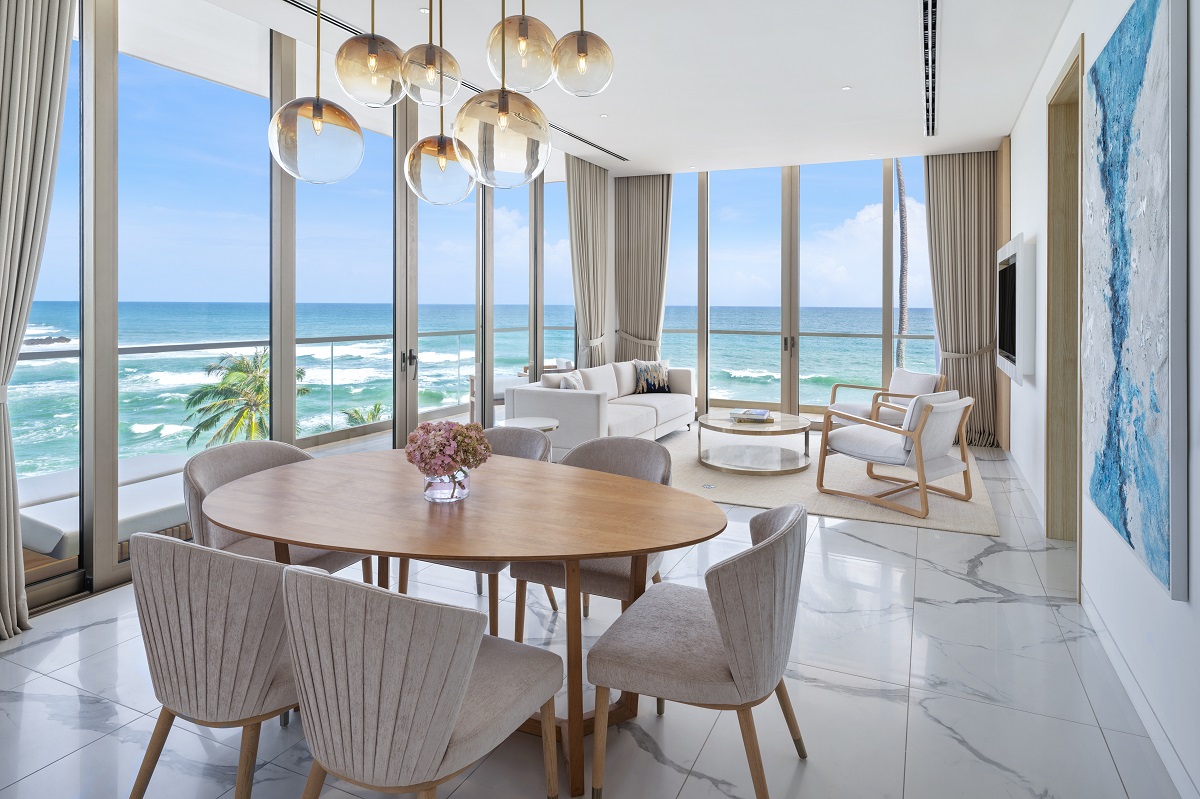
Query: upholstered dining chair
point(922, 443)
point(399, 694)
point(900, 391)
point(515, 442)
point(609, 577)
point(728, 646)
point(213, 626)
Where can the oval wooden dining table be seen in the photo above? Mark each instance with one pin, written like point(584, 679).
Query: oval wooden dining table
point(518, 510)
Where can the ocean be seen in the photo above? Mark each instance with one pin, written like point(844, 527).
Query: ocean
point(343, 376)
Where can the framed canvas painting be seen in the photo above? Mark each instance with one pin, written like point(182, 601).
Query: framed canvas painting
point(1134, 346)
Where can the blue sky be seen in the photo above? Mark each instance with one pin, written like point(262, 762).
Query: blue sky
point(193, 214)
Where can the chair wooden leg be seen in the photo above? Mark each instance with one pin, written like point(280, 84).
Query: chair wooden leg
point(519, 629)
point(246, 761)
point(478, 584)
point(550, 748)
point(428, 793)
point(494, 605)
point(366, 567)
point(285, 718)
point(753, 755)
point(383, 572)
point(661, 706)
point(657, 578)
point(157, 740)
point(550, 596)
point(587, 605)
point(789, 715)
point(599, 740)
point(315, 782)
point(402, 583)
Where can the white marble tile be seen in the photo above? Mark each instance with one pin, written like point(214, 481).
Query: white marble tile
point(690, 569)
point(885, 542)
point(273, 740)
point(119, 673)
point(274, 782)
point(70, 633)
point(853, 729)
point(1057, 564)
point(12, 675)
point(43, 720)
point(298, 760)
point(460, 579)
point(1110, 702)
point(977, 557)
point(1140, 767)
point(957, 747)
point(190, 767)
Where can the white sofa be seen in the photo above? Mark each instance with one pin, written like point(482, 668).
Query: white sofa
point(606, 406)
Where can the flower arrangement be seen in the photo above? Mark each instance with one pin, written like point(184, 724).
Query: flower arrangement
point(444, 452)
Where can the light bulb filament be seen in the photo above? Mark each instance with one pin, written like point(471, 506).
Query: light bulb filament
point(582, 66)
point(318, 117)
point(581, 48)
point(373, 55)
point(431, 72)
point(441, 153)
point(523, 36)
point(502, 112)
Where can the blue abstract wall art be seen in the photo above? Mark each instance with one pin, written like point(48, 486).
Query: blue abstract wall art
point(1127, 343)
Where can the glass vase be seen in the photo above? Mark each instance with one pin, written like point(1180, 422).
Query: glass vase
point(448, 487)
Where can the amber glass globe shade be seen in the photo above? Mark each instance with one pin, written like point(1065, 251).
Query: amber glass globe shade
point(528, 49)
point(315, 140)
point(583, 63)
point(368, 69)
point(431, 75)
point(507, 136)
point(435, 173)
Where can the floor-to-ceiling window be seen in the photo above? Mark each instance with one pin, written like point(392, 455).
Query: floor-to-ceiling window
point(745, 220)
point(344, 269)
point(510, 263)
point(914, 346)
point(840, 286)
point(43, 394)
point(680, 314)
point(559, 336)
point(193, 249)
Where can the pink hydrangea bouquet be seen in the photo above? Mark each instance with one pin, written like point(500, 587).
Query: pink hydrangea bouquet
point(445, 452)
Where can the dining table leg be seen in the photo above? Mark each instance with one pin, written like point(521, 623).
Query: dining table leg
point(573, 745)
point(282, 554)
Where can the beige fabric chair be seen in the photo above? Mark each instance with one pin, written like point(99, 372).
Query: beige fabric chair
point(922, 443)
point(399, 694)
point(728, 646)
point(631, 457)
point(207, 471)
point(515, 442)
point(901, 389)
point(213, 626)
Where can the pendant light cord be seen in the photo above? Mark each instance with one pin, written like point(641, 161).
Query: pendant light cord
point(441, 72)
point(431, 21)
point(372, 17)
point(581, 15)
point(318, 49)
point(503, 55)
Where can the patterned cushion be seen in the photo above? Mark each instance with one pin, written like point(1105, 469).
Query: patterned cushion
point(651, 377)
point(571, 380)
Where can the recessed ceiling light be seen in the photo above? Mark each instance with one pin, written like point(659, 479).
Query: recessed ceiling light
point(604, 116)
point(691, 167)
point(847, 88)
point(870, 153)
point(423, 10)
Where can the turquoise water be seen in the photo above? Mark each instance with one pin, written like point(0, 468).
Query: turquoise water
point(152, 388)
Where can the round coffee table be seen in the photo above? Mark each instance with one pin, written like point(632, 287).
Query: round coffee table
point(543, 423)
point(754, 458)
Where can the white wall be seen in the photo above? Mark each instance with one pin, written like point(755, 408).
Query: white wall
point(1157, 638)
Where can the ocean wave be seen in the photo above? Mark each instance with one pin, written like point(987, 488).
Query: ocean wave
point(173, 379)
point(444, 357)
point(173, 395)
point(820, 380)
point(755, 375)
point(348, 376)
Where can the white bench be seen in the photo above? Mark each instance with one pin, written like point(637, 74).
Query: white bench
point(65, 484)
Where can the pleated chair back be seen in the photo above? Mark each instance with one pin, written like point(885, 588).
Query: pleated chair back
point(381, 676)
point(207, 471)
point(519, 442)
point(755, 594)
point(632, 457)
point(212, 623)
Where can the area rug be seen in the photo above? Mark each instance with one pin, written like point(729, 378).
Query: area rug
point(761, 491)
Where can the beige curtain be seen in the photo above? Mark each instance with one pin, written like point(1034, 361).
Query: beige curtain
point(643, 229)
point(587, 212)
point(960, 203)
point(35, 52)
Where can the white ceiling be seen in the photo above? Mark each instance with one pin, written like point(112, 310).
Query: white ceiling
point(698, 83)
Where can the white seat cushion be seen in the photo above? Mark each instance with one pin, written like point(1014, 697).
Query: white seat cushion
point(600, 378)
point(666, 406)
point(863, 410)
point(65, 484)
point(629, 420)
point(626, 378)
point(667, 644)
point(869, 444)
point(52, 528)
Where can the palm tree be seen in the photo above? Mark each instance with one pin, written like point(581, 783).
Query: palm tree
point(357, 416)
point(238, 405)
point(902, 323)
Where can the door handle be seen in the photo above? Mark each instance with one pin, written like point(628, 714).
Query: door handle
point(412, 362)
point(785, 343)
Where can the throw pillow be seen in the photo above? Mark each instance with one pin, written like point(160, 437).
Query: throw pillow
point(571, 380)
point(651, 377)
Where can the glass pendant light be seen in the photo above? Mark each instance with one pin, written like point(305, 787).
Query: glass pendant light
point(505, 132)
point(431, 75)
point(435, 168)
point(313, 139)
point(583, 62)
point(368, 68)
point(530, 46)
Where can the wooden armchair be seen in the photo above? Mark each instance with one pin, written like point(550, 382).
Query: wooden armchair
point(903, 388)
point(922, 442)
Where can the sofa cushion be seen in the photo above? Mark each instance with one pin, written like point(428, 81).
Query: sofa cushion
point(666, 406)
point(600, 378)
point(626, 378)
point(551, 380)
point(651, 377)
point(629, 420)
point(572, 381)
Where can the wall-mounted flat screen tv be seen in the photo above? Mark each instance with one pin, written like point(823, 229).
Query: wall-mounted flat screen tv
point(1006, 311)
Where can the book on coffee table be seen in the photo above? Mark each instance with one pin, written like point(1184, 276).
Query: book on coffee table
point(751, 415)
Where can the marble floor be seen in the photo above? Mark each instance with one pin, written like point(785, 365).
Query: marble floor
point(925, 664)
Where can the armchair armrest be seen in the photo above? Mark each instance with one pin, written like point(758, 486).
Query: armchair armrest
point(879, 394)
point(834, 390)
point(877, 404)
point(829, 414)
point(681, 380)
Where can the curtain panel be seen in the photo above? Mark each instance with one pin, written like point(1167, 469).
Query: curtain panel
point(587, 213)
point(643, 208)
point(35, 54)
point(960, 194)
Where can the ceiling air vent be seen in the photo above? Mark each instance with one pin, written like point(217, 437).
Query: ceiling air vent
point(929, 15)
